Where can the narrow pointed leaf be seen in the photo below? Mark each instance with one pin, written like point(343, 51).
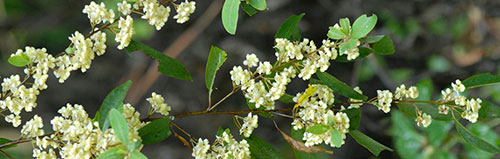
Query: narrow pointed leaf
point(289, 29)
point(119, 125)
point(167, 65)
point(367, 142)
point(155, 132)
point(258, 4)
point(260, 149)
point(481, 80)
point(474, 140)
point(114, 100)
point(318, 129)
point(230, 15)
point(215, 60)
point(339, 87)
point(363, 25)
point(372, 39)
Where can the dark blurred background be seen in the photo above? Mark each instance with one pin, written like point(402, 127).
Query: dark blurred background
point(442, 40)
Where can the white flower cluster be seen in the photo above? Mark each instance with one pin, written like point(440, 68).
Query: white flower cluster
point(256, 92)
point(97, 13)
point(158, 104)
point(314, 110)
point(126, 26)
point(224, 147)
point(184, 10)
point(423, 119)
point(33, 127)
point(249, 124)
point(384, 99)
point(312, 58)
point(77, 136)
point(401, 92)
point(472, 106)
point(17, 96)
point(155, 13)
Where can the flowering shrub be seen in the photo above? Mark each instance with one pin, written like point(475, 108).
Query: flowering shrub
point(319, 118)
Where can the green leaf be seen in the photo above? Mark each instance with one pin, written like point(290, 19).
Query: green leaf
point(230, 15)
point(367, 142)
point(114, 100)
point(260, 149)
point(354, 118)
point(297, 135)
point(258, 4)
point(119, 125)
point(438, 63)
point(168, 66)
point(137, 155)
point(372, 39)
point(489, 110)
point(335, 33)
point(4, 140)
point(345, 25)
point(19, 60)
point(215, 60)
point(318, 129)
point(248, 9)
point(113, 153)
point(474, 140)
point(286, 98)
point(363, 52)
point(481, 80)
point(384, 46)
point(289, 29)
point(363, 25)
point(339, 87)
point(335, 137)
point(155, 132)
point(487, 134)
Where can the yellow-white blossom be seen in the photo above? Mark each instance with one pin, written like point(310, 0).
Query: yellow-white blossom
point(97, 13)
point(158, 104)
point(423, 119)
point(99, 39)
point(184, 10)
point(356, 105)
point(124, 7)
point(384, 100)
point(126, 26)
point(155, 13)
point(251, 60)
point(33, 127)
point(224, 147)
point(249, 124)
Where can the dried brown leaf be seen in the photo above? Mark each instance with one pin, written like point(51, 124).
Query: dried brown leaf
point(301, 146)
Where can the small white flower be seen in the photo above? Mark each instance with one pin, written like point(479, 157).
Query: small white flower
point(249, 124)
point(251, 60)
point(264, 68)
point(384, 100)
point(126, 31)
point(184, 10)
point(124, 7)
point(458, 86)
point(423, 119)
point(158, 104)
point(97, 13)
